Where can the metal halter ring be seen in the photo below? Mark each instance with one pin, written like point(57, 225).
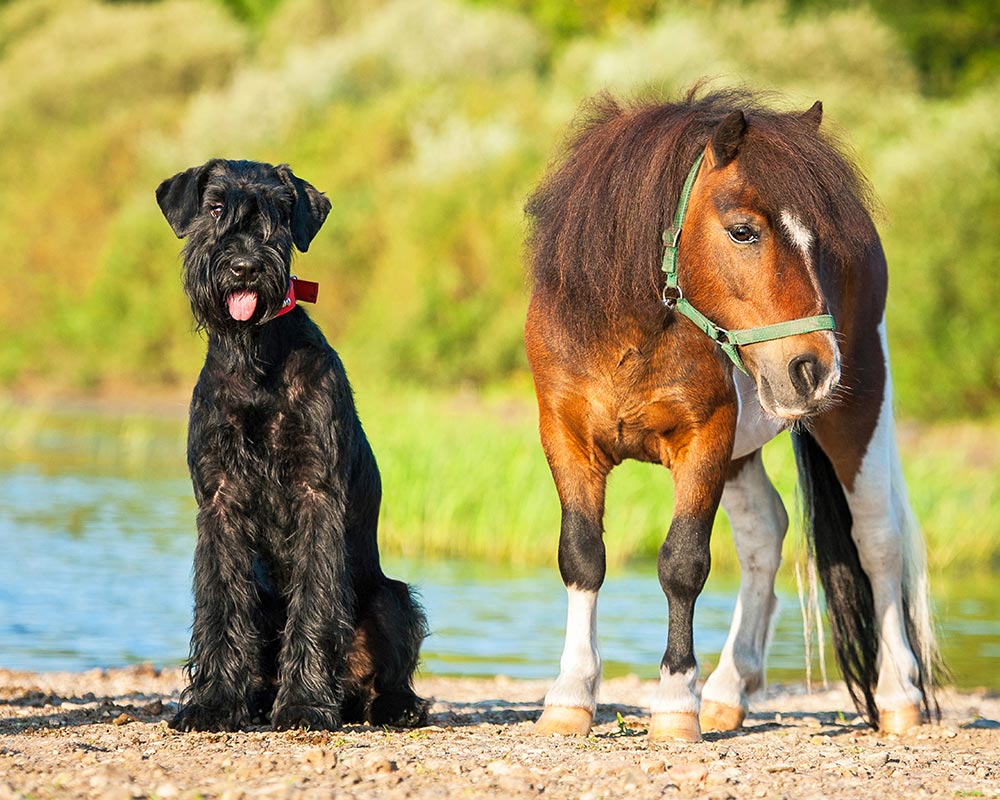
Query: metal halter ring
point(676, 295)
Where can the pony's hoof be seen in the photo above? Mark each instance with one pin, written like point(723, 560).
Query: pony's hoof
point(564, 721)
point(898, 720)
point(720, 717)
point(674, 727)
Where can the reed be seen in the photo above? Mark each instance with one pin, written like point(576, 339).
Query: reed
point(464, 477)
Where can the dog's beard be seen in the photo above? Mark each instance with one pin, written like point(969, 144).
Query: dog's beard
point(220, 302)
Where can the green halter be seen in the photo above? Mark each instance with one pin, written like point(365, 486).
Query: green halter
point(673, 297)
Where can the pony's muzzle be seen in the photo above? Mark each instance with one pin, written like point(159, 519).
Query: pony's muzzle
point(792, 381)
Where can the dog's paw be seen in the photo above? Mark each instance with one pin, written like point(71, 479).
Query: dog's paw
point(200, 717)
point(399, 710)
point(317, 718)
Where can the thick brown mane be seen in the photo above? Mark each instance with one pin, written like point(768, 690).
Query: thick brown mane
point(598, 217)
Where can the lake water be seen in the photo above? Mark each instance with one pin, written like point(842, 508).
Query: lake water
point(95, 571)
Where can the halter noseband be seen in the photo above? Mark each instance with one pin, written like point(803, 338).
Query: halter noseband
point(674, 299)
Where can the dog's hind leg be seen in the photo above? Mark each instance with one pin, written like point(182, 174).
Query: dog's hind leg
point(382, 660)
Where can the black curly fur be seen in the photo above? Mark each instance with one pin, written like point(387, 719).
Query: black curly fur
point(294, 620)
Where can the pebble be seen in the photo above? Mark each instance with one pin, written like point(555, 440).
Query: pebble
point(653, 766)
point(320, 759)
point(379, 762)
point(608, 766)
point(687, 773)
point(876, 759)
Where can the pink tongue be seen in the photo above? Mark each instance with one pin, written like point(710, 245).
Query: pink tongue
point(242, 305)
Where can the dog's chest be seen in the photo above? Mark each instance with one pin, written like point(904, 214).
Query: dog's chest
point(262, 438)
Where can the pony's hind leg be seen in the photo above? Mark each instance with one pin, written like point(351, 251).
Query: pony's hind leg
point(571, 702)
point(892, 647)
point(759, 524)
point(893, 561)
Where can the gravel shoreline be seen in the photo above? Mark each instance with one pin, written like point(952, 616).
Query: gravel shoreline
point(103, 734)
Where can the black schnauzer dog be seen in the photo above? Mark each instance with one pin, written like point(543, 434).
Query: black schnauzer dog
point(294, 619)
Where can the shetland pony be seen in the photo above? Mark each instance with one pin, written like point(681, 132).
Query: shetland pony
point(685, 314)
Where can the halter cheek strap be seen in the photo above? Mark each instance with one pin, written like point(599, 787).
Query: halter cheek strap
point(728, 340)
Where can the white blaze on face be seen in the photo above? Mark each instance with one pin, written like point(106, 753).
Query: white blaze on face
point(803, 239)
point(798, 233)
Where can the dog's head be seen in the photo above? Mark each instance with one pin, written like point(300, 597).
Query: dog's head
point(241, 220)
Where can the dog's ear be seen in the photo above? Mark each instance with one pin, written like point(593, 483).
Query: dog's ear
point(179, 197)
point(311, 208)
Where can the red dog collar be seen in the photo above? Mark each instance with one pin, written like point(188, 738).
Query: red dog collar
point(298, 289)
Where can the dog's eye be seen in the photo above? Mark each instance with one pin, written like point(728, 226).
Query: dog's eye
point(216, 210)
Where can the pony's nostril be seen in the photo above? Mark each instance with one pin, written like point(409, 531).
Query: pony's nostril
point(805, 373)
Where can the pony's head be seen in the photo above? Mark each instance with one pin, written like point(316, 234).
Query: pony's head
point(749, 258)
point(777, 225)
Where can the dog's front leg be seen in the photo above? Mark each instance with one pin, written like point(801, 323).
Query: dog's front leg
point(319, 625)
point(224, 641)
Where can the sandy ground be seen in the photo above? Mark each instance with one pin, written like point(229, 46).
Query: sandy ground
point(103, 734)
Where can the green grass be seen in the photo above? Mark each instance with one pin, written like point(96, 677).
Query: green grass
point(464, 477)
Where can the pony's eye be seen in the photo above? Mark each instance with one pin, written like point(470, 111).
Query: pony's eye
point(743, 234)
point(216, 210)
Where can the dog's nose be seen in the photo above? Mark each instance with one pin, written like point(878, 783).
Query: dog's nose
point(243, 268)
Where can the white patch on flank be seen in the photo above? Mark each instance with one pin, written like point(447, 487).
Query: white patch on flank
point(580, 665)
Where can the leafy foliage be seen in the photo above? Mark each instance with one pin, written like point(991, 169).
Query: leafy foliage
point(428, 122)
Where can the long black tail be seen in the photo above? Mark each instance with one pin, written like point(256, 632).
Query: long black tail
point(849, 602)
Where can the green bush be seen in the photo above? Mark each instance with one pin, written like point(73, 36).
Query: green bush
point(428, 122)
point(942, 189)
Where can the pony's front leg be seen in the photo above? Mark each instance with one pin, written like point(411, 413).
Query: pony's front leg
point(759, 523)
point(571, 702)
point(684, 560)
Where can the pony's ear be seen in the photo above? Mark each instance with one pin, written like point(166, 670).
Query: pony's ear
point(179, 197)
point(311, 208)
point(727, 138)
point(814, 116)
